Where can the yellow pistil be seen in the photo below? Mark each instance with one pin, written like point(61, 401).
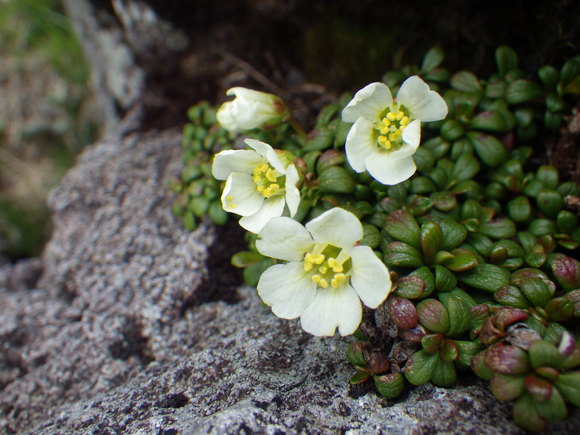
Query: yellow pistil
point(391, 126)
point(329, 264)
point(268, 180)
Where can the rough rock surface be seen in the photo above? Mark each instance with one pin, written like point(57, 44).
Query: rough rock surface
point(114, 330)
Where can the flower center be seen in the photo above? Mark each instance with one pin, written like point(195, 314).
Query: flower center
point(390, 127)
point(268, 180)
point(330, 266)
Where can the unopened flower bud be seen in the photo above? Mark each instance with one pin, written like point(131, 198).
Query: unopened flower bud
point(251, 109)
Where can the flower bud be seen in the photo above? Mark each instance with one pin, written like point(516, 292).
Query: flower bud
point(251, 109)
point(508, 360)
point(390, 385)
point(433, 316)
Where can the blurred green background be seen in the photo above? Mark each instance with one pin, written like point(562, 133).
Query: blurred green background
point(45, 117)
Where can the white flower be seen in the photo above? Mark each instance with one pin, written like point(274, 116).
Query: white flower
point(386, 131)
point(258, 183)
point(251, 109)
point(327, 273)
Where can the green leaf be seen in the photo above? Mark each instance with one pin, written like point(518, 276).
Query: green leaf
point(467, 350)
point(550, 202)
point(506, 59)
point(526, 416)
point(402, 226)
point(544, 354)
point(466, 167)
point(519, 209)
point(245, 258)
point(359, 378)
point(490, 120)
point(549, 76)
point(489, 149)
point(400, 254)
point(554, 409)
point(487, 277)
point(507, 387)
point(217, 214)
point(569, 385)
point(444, 279)
point(459, 260)
point(321, 141)
point(521, 91)
point(444, 374)
point(501, 228)
point(420, 367)
point(453, 233)
point(431, 239)
point(432, 59)
point(390, 385)
point(336, 180)
point(465, 81)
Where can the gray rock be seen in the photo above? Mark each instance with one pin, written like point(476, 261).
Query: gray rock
point(118, 336)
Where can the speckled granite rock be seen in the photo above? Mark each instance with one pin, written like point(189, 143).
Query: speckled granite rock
point(124, 333)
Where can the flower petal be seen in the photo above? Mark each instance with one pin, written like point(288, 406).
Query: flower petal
point(337, 227)
point(330, 309)
point(389, 170)
point(292, 193)
point(411, 139)
point(422, 102)
point(285, 239)
point(262, 148)
point(368, 103)
point(359, 144)
point(240, 195)
point(370, 277)
point(287, 289)
point(271, 207)
point(228, 161)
